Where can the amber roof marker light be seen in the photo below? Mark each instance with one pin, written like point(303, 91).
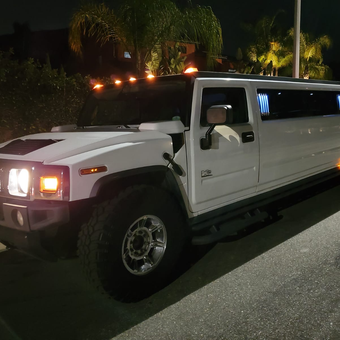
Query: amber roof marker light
point(97, 86)
point(191, 70)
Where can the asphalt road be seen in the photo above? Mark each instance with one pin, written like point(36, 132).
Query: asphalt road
point(280, 282)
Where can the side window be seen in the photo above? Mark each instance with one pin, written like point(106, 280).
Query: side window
point(236, 97)
point(322, 103)
point(284, 104)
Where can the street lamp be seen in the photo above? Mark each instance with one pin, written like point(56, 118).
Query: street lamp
point(296, 52)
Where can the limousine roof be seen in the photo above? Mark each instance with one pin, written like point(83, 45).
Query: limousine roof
point(208, 74)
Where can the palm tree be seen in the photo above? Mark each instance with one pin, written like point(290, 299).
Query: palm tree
point(268, 49)
point(146, 24)
point(275, 58)
point(311, 57)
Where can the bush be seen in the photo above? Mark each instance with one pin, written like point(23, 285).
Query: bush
point(35, 97)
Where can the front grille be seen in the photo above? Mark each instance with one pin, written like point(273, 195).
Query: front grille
point(25, 146)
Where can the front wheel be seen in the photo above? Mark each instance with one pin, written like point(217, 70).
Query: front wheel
point(131, 245)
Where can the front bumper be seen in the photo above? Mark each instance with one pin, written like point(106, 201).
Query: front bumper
point(24, 224)
point(29, 242)
point(36, 215)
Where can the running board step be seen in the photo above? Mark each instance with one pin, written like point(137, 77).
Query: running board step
point(228, 228)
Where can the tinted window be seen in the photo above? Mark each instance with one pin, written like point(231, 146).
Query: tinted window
point(134, 103)
point(283, 104)
point(236, 97)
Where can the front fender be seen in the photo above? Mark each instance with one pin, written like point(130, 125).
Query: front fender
point(159, 176)
point(117, 158)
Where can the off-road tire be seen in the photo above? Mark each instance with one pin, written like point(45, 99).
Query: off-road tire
point(101, 239)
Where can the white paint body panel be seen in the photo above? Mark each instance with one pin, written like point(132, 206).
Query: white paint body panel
point(302, 147)
point(119, 151)
point(293, 149)
point(284, 151)
point(233, 164)
point(76, 143)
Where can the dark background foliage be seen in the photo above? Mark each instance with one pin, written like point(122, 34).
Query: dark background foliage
point(35, 97)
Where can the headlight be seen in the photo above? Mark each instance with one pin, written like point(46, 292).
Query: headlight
point(18, 182)
point(32, 180)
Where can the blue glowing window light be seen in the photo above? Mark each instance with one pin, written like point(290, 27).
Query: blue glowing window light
point(338, 101)
point(263, 101)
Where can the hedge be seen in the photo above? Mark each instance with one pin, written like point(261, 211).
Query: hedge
point(35, 97)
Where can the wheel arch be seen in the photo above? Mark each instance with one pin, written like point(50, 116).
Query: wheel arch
point(159, 176)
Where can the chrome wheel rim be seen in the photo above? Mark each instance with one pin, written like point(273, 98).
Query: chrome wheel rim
point(144, 245)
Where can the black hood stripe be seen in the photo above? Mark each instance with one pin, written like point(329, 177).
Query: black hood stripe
point(25, 146)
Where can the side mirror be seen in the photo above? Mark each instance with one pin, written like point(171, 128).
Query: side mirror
point(220, 115)
point(216, 115)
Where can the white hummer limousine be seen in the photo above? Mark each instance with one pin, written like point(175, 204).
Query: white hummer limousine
point(154, 164)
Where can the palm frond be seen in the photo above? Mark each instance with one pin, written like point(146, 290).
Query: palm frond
point(252, 53)
point(94, 20)
point(202, 27)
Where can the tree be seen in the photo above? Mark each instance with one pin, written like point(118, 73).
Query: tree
point(311, 57)
point(269, 47)
point(155, 64)
point(143, 25)
point(276, 57)
point(239, 64)
point(273, 50)
point(175, 61)
point(239, 54)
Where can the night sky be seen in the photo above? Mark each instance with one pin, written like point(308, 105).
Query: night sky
point(318, 17)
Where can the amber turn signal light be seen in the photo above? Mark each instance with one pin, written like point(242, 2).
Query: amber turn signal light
point(49, 184)
point(94, 170)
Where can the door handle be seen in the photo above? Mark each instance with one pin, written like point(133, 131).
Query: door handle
point(248, 137)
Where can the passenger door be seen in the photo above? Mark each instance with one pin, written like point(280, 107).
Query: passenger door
point(228, 171)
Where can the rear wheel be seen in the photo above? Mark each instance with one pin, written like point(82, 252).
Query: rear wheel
point(132, 244)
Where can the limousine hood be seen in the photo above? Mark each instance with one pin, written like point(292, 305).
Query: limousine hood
point(51, 147)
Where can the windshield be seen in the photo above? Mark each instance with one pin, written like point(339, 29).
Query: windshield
point(133, 103)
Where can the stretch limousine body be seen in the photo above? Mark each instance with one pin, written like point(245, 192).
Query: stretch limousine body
point(156, 163)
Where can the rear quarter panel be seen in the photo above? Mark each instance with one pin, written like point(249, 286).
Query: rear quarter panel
point(295, 148)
